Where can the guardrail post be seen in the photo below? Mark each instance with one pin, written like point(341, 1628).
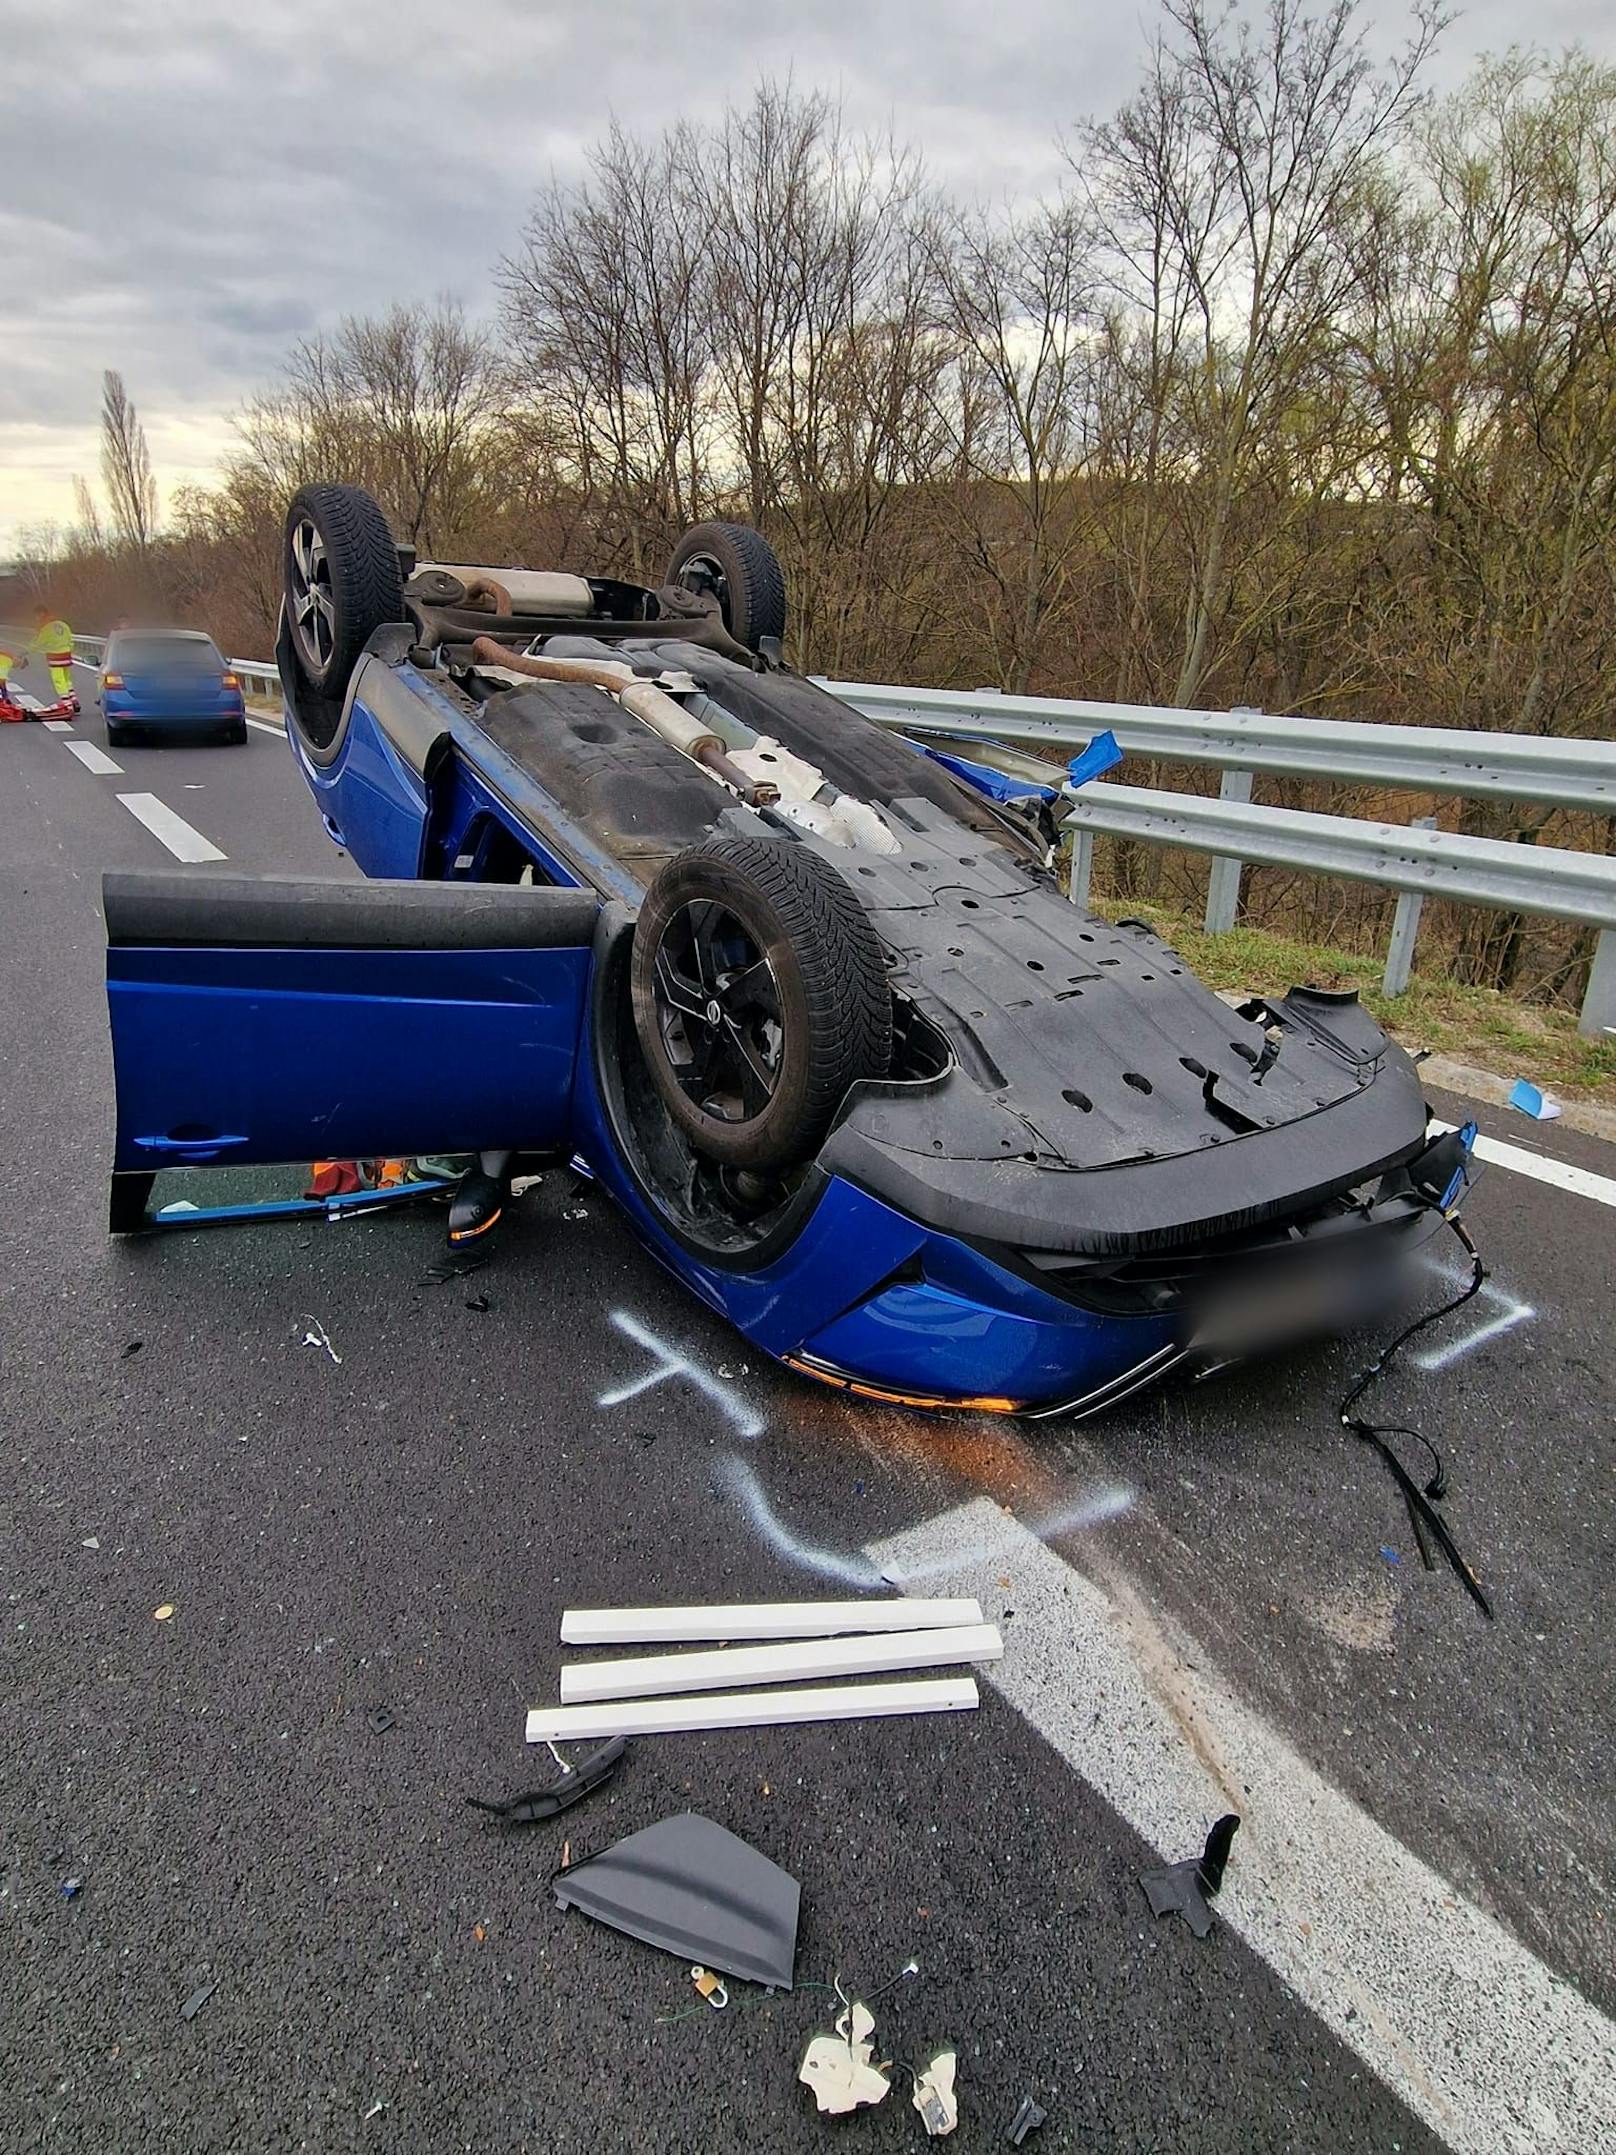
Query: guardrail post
point(1081, 860)
point(1223, 884)
point(1405, 927)
point(1598, 1019)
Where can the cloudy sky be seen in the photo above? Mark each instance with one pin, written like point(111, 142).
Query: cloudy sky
point(189, 185)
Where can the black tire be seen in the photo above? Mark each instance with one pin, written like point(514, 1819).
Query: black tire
point(237, 736)
point(742, 571)
point(341, 581)
point(117, 736)
point(760, 995)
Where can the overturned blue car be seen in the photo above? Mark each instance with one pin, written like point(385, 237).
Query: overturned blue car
point(803, 997)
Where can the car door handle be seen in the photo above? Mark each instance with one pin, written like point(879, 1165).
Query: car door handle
point(187, 1148)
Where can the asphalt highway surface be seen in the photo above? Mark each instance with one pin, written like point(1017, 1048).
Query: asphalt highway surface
point(266, 1488)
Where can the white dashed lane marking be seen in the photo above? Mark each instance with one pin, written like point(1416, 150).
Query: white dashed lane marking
point(57, 725)
point(1496, 2053)
point(95, 759)
point(174, 832)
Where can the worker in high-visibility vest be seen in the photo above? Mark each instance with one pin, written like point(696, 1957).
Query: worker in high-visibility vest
point(53, 640)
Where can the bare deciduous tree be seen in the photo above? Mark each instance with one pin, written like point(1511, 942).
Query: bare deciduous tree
point(126, 469)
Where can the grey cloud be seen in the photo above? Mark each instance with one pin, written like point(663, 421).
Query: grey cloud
point(200, 185)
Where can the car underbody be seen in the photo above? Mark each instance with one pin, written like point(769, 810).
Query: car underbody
point(1036, 1163)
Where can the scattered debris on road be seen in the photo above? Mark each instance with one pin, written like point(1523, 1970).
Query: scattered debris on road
point(1529, 1099)
point(131, 1347)
point(91, 1541)
point(1026, 2120)
point(709, 1987)
point(381, 1720)
point(316, 1335)
point(198, 1998)
point(478, 1302)
point(716, 1621)
point(752, 1709)
point(575, 1783)
point(934, 2095)
point(71, 1888)
point(1188, 1889)
point(689, 1885)
point(162, 1615)
point(839, 2068)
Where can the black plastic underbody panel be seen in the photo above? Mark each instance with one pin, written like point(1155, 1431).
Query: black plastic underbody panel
point(1103, 1100)
point(638, 798)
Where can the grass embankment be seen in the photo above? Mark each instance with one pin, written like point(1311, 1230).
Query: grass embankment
point(1470, 1025)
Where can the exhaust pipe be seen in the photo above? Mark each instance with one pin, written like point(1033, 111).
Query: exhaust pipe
point(643, 700)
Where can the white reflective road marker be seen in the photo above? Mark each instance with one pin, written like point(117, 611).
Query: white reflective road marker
point(93, 759)
point(184, 843)
point(1464, 2025)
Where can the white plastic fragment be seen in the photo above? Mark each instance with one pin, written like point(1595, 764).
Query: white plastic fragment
point(751, 1709)
point(838, 2067)
point(761, 1620)
point(643, 1676)
point(934, 2096)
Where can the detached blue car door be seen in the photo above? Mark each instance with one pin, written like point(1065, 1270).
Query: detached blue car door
point(276, 1019)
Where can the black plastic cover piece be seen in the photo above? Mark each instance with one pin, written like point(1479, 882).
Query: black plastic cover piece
point(1188, 1889)
point(574, 1784)
point(693, 1888)
point(175, 910)
point(1026, 2120)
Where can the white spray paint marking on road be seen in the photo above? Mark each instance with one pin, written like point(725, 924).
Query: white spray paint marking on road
point(1510, 1311)
point(173, 831)
point(1580, 1181)
point(1462, 2023)
point(670, 1365)
point(95, 759)
point(738, 1476)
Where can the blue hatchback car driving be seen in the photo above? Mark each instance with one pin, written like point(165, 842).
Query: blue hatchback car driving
point(174, 681)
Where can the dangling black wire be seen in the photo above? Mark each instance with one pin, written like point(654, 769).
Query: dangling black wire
point(1421, 1503)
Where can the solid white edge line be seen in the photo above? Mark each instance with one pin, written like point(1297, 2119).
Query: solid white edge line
point(751, 1709)
point(169, 829)
point(647, 1676)
point(1580, 1181)
point(94, 759)
point(1482, 2041)
point(264, 726)
point(759, 1620)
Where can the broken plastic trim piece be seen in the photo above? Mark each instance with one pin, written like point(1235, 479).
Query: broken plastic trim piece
point(1026, 2120)
point(751, 1709)
point(1188, 1889)
point(575, 1783)
point(693, 1888)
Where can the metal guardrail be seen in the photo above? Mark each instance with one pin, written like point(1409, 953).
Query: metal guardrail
point(1419, 759)
point(1417, 860)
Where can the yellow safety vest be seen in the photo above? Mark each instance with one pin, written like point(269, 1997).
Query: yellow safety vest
point(55, 642)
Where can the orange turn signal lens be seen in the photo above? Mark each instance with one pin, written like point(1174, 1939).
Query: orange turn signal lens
point(231, 680)
point(980, 1404)
point(112, 680)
